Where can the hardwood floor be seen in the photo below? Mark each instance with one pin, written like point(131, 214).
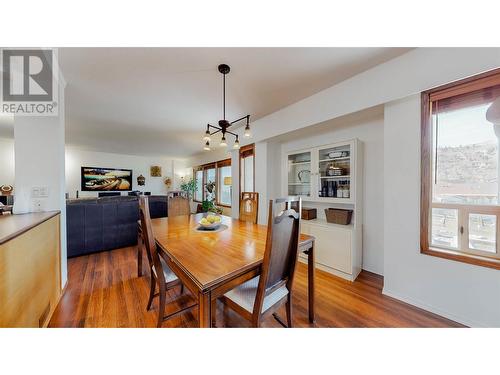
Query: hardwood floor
point(103, 291)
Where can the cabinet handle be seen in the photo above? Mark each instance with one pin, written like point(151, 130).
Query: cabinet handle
point(461, 229)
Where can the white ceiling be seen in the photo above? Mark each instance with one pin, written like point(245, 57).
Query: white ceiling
point(157, 101)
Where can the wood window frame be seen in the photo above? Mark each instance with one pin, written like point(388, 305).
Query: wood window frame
point(454, 89)
point(204, 168)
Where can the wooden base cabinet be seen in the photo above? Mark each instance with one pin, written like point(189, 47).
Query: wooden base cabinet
point(30, 275)
point(337, 248)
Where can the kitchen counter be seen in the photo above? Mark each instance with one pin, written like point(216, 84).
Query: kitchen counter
point(12, 226)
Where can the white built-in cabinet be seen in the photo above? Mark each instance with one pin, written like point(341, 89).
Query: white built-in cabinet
point(306, 173)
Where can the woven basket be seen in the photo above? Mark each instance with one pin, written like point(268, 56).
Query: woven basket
point(338, 216)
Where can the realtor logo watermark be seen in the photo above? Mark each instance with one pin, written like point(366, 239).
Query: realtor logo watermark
point(29, 82)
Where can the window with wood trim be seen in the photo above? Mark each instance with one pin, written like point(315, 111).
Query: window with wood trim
point(225, 182)
point(210, 185)
point(198, 177)
point(460, 133)
point(247, 168)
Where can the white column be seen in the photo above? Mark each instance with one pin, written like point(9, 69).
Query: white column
point(39, 163)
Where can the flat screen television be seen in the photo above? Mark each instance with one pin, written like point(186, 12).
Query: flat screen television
point(106, 179)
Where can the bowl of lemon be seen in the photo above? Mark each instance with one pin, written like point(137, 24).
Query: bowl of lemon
point(210, 222)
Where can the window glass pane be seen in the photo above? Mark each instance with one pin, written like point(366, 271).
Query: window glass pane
point(210, 186)
point(199, 182)
point(247, 173)
point(444, 227)
point(465, 156)
point(483, 232)
point(225, 190)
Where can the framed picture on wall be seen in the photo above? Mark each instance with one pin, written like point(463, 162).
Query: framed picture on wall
point(155, 171)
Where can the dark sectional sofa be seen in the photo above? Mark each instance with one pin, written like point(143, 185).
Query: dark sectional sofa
point(98, 224)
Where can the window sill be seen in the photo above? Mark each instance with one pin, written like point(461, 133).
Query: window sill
point(464, 258)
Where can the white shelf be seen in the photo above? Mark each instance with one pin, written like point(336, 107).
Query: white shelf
point(336, 159)
point(344, 176)
point(299, 163)
point(323, 222)
point(338, 247)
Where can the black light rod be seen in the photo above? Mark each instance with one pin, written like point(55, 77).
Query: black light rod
point(244, 117)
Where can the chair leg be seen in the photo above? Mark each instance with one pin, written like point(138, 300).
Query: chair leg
point(288, 306)
point(213, 307)
point(161, 307)
point(139, 257)
point(151, 291)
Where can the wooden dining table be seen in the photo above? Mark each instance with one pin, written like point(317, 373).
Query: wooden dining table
point(210, 263)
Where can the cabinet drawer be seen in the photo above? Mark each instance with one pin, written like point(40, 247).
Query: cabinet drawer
point(333, 247)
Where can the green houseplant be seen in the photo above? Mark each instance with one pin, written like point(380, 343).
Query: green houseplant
point(209, 206)
point(189, 187)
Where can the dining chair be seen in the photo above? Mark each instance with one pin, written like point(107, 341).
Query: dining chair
point(161, 274)
point(264, 294)
point(249, 207)
point(178, 204)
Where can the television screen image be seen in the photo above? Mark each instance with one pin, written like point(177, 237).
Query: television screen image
point(106, 179)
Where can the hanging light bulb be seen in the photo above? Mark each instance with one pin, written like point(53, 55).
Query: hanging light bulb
point(223, 142)
point(236, 144)
point(207, 135)
point(207, 146)
point(247, 128)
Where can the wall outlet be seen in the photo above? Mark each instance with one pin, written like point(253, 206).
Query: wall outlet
point(44, 191)
point(37, 205)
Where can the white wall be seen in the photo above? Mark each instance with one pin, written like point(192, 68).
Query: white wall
point(368, 127)
point(459, 291)
point(76, 158)
point(6, 162)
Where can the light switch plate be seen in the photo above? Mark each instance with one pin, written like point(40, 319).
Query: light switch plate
point(44, 191)
point(35, 192)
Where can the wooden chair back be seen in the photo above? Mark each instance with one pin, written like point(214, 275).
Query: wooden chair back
point(249, 207)
point(149, 240)
point(280, 257)
point(178, 204)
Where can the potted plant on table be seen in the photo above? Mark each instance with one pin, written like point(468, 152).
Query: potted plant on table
point(209, 206)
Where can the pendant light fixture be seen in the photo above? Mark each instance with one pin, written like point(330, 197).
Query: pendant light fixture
point(224, 124)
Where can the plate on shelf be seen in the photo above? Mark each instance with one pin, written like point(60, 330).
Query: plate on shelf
point(304, 175)
point(338, 154)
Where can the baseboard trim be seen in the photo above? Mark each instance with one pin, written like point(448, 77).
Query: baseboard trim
point(331, 270)
point(432, 309)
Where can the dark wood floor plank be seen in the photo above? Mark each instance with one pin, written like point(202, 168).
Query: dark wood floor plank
point(104, 291)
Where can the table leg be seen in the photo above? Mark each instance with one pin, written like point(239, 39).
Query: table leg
point(139, 255)
point(311, 267)
point(204, 310)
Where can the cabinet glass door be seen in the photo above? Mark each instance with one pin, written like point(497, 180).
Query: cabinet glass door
point(299, 174)
point(334, 167)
